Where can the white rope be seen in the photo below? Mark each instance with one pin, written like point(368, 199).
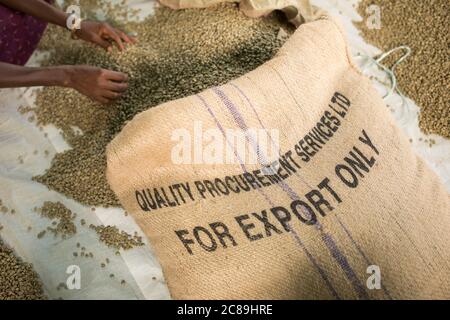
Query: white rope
point(390, 72)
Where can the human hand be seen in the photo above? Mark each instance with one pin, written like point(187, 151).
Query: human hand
point(98, 84)
point(102, 34)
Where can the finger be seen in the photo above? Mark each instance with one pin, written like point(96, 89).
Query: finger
point(111, 95)
point(116, 86)
point(102, 100)
point(103, 43)
point(132, 36)
point(110, 32)
point(125, 37)
point(115, 76)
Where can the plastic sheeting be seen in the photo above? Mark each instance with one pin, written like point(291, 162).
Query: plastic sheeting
point(51, 257)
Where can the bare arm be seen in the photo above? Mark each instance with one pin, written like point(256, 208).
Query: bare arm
point(12, 76)
point(99, 84)
point(39, 9)
point(99, 33)
point(96, 83)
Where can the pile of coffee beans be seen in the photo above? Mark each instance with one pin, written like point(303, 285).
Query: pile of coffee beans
point(178, 53)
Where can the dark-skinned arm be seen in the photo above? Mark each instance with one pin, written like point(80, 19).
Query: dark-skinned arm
point(99, 33)
point(99, 84)
point(38, 9)
point(12, 76)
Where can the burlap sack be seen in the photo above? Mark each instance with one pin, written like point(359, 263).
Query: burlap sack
point(296, 11)
point(348, 210)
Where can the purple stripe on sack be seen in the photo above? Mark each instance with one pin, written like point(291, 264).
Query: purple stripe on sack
point(242, 125)
point(261, 124)
point(208, 108)
point(386, 291)
point(328, 240)
point(342, 260)
point(347, 231)
point(293, 232)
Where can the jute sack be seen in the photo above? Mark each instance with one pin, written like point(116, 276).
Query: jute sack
point(344, 210)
